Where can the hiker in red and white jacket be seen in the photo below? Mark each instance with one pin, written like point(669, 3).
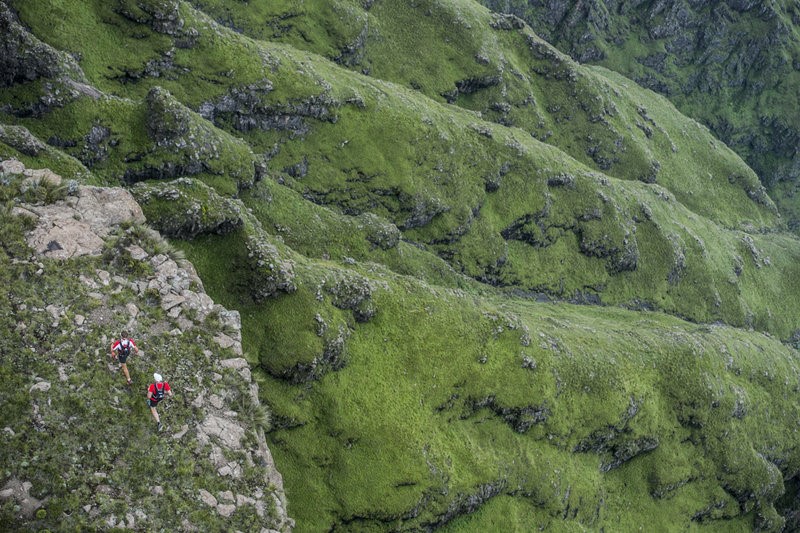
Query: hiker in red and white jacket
point(120, 350)
point(155, 393)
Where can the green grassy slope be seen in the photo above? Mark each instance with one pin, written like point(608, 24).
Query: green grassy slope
point(731, 65)
point(446, 399)
point(386, 247)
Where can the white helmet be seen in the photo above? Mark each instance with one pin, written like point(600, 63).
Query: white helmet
point(157, 377)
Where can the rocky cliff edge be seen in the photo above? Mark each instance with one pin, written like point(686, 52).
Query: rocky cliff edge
point(118, 275)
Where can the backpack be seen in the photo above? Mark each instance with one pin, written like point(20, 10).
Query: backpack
point(124, 347)
point(158, 394)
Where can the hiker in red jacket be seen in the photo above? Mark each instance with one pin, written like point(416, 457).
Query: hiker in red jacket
point(120, 350)
point(155, 393)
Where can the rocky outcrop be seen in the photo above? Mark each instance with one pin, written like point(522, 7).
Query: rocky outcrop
point(247, 108)
point(271, 272)
point(24, 59)
point(186, 208)
point(19, 492)
point(87, 223)
point(163, 16)
point(21, 139)
point(616, 442)
point(185, 145)
point(78, 225)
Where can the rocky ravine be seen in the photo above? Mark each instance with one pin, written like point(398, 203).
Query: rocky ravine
point(81, 226)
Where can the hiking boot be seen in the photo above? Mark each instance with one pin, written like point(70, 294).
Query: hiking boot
point(130, 383)
point(160, 426)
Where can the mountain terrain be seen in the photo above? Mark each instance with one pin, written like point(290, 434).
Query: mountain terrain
point(732, 65)
point(481, 286)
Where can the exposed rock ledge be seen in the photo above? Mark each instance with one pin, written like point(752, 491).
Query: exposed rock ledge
point(79, 226)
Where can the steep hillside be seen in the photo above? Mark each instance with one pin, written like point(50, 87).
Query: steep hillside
point(734, 66)
point(79, 449)
point(406, 236)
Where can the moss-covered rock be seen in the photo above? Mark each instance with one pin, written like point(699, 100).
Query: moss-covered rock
point(24, 58)
point(186, 145)
point(185, 208)
point(270, 271)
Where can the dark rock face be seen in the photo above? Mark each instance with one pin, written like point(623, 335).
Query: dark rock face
point(96, 145)
point(166, 120)
point(21, 139)
point(271, 273)
point(471, 85)
point(423, 210)
point(353, 54)
point(184, 145)
point(163, 16)
point(23, 57)
point(616, 442)
point(247, 108)
point(620, 249)
point(465, 504)
point(520, 419)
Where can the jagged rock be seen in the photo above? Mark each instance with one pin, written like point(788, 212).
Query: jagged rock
point(226, 342)
point(227, 431)
point(185, 144)
point(78, 225)
point(236, 363)
point(171, 300)
point(464, 504)
point(161, 15)
point(25, 58)
point(248, 108)
point(226, 510)
point(521, 419)
point(12, 166)
point(96, 145)
point(19, 491)
point(231, 469)
point(242, 500)
point(216, 401)
point(208, 498)
point(354, 293)
point(423, 210)
point(22, 140)
point(616, 443)
point(380, 232)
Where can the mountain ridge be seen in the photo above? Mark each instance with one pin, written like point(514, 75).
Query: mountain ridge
point(66, 229)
